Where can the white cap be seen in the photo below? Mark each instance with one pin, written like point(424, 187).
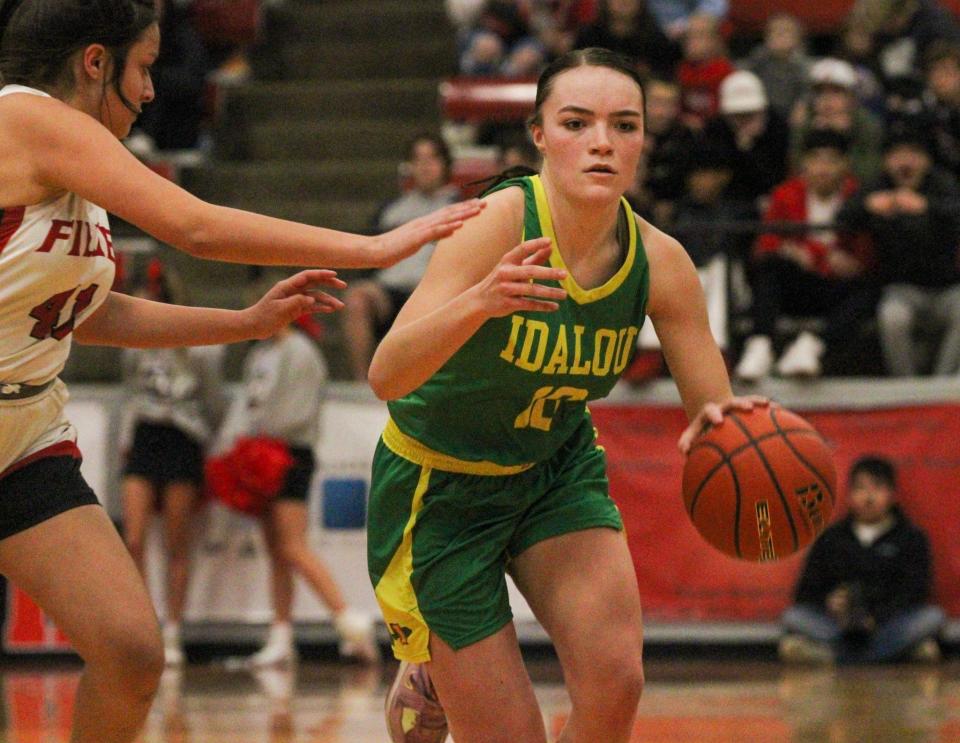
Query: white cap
point(742, 92)
point(832, 71)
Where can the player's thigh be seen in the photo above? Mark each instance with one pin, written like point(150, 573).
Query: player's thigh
point(485, 690)
point(583, 589)
point(77, 569)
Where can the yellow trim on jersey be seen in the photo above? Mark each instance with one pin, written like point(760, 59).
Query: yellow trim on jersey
point(410, 449)
point(574, 290)
point(395, 594)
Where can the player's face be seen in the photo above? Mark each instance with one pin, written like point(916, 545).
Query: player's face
point(135, 83)
point(870, 499)
point(591, 134)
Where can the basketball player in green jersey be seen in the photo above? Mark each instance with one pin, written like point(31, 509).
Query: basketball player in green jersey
point(489, 462)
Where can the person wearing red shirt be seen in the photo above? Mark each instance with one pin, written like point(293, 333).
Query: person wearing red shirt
point(705, 64)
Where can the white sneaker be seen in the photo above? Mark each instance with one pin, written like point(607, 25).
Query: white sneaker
point(172, 647)
point(278, 649)
point(802, 357)
point(797, 649)
point(357, 638)
point(756, 360)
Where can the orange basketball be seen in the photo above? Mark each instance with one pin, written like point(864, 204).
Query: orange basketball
point(761, 485)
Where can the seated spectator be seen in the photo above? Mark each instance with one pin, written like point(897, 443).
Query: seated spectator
point(902, 31)
point(913, 217)
point(172, 121)
point(518, 152)
point(626, 27)
point(501, 43)
point(813, 273)
point(675, 16)
point(669, 145)
point(781, 63)
point(705, 65)
point(942, 101)
point(754, 138)
point(833, 104)
point(556, 22)
point(371, 305)
point(705, 209)
point(864, 592)
point(855, 47)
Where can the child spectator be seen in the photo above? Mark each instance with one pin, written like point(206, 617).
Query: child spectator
point(781, 63)
point(371, 305)
point(754, 138)
point(669, 145)
point(676, 16)
point(704, 66)
point(501, 44)
point(913, 217)
point(833, 104)
point(942, 101)
point(864, 592)
point(627, 27)
point(813, 273)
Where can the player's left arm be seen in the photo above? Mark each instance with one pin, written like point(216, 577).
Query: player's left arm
point(678, 310)
point(132, 322)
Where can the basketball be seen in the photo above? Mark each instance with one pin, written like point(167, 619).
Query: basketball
point(761, 485)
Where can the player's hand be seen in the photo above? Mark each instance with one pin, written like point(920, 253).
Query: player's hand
point(397, 244)
point(511, 285)
point(712, 414)
point(289, 299)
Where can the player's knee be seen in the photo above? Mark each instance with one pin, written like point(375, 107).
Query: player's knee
point(132, 659)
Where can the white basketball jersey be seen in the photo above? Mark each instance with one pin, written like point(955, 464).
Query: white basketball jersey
point(56, 268)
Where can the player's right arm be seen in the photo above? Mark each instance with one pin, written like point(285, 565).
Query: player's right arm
point(475, 275)
point(47, 147)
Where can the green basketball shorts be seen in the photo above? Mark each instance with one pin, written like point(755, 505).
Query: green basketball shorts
point(441, 532)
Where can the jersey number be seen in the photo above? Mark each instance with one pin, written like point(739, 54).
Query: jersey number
point(47, 314)
point(538, 414)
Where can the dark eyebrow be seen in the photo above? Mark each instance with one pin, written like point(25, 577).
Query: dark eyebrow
point(588, 112)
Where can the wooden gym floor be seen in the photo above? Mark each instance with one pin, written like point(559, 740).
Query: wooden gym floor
point(688, 701)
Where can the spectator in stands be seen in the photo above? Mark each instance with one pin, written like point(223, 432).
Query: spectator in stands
point(518, 152)
point(675, 16)
point(913, 217)
point(175, 403)
point(781, 63)
point(280, 400)
point(173, 120)
point(855, 47)
point(902, 31)
point(942, 102)
point(668, 145)
point(754, 138)
point(501, 44)
point(556, 22)
point(817, 273)
point(833, 104)
point(705, 65)
point(705, 213)
point(627, 27)
point(371, 305)
point(864, 592)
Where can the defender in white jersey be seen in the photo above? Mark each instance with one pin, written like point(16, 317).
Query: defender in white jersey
point(77, 74)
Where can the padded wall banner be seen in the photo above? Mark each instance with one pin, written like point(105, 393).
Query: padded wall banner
point(682, 578)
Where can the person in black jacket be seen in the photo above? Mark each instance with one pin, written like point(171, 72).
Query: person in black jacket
point(913, 217)
point(863, 593)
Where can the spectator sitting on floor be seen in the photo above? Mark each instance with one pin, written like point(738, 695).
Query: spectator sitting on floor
point(372, 304)
point(833, 104)
point(781, 63)
point(754, 137)
point(705, 65)
point(942, 101)
point(816, 273)
point(913, 217)
point(863, 595)
point(627, 27)
point(675, 16)
point(501, 43)
point(669, 146)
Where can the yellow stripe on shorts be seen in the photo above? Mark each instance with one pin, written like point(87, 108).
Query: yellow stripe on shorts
point(409, 634)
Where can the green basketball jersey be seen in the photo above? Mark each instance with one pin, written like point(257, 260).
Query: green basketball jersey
point(518, 389)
